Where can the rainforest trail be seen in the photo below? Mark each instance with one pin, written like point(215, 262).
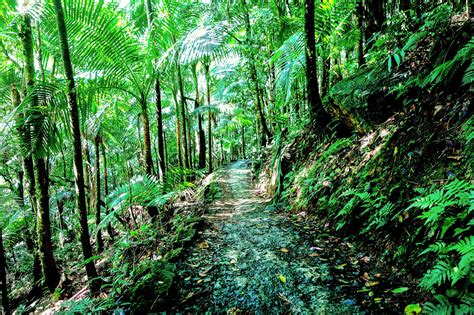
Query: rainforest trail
point(249, 258)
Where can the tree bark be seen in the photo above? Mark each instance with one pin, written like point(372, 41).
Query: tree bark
point(318, 114)
point(43, 224)
point(29, 171)
point(178, 131)
point(94, 282)
point(159, 120)
point(201, 134)
point(3, 277)
point(209, 115)
point(110, 230)
point(146, 136)
point(99, 240)
point(183, 114)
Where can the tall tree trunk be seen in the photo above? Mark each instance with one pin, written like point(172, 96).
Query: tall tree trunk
point(209, 115)
point(30, 175)
point(183, 114)
point(110, 231)
point(3, 277)
point(202, 136)
point(159, 120)
point(159, 114)
point(152, 211)
point(254, 77)
point(94, 282)
point(146, 136)
point(99, 240)
point(319, 116)
point(178, 131)
point(43, 224)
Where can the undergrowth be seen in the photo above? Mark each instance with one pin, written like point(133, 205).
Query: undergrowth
point(404, 184)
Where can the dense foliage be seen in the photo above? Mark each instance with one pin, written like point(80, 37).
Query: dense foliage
point(114, 116)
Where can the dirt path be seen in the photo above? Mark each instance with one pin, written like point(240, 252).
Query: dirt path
point(249, 259)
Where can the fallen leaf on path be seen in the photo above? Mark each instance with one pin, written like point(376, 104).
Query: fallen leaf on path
point(371, 284)
point(315, 248)
point(203, 245)
point(365, 259)
point(199, 281)
point(365, 276)
point(284, 250)
point(284, 298)
point(341, 267)
point(233, 261)
point(314, 255)
point(282, 278)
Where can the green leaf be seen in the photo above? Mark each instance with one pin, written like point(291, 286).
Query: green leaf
point(282, 278)
point(400, 290)
point(412, 308)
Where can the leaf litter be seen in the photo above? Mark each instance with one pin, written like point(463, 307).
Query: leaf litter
point(260, 264)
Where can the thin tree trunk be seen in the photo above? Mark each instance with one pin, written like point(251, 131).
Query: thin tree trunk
point(209, 116)
point(243, 143)
point(110, 231)
point(318, 114)
point(159, 118)
point(146, 137)
point(29, 171)
point(94, 282)
point(3, 277)
point(183, 114)
point(152, 211)
point(202, 136)
point(99, 240)
point(178, 131)
point(43, 225)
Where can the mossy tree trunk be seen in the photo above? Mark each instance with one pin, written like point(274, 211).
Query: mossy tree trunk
point(41, 176)
point(94, 282)
point(30, 176)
